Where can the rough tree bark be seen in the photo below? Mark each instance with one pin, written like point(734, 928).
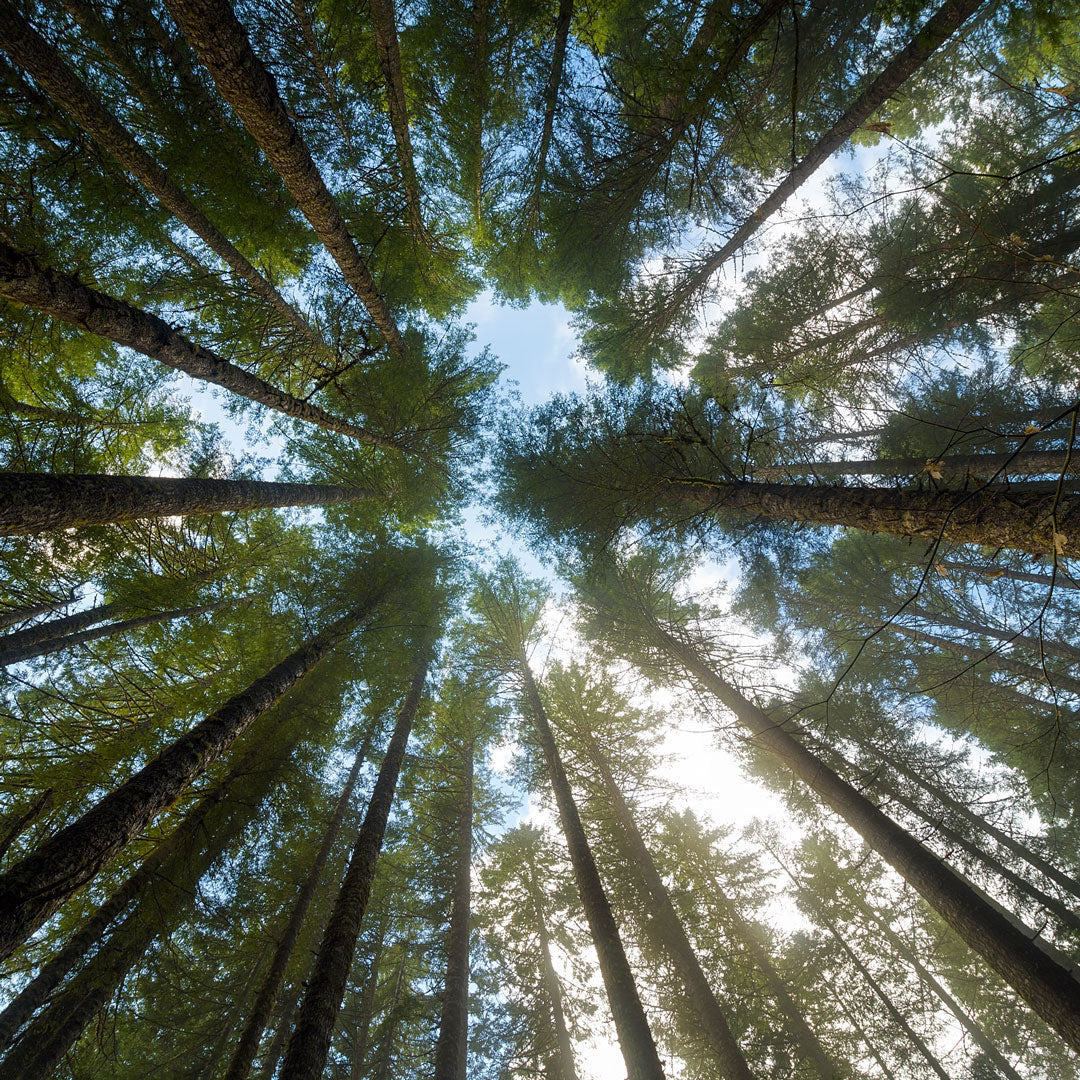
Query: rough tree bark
point(1022, 463)
point(305, 1058)
point(635, 1039)
point(27, 281)
point(222, 44)
point(36, 502)
point(36, 886)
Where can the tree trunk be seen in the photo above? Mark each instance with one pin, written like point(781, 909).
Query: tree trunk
point(384, 22)
point(1060, 580)
point(386, 1044)
point(36, 502)
point(63, 963)
point(51, 72)
point(37, 885)
point(18, 826)
point(305, 1058)
point(45, 648)
point(222, 44)
point(1048, 988)
point(565, 1067)
point(25, 280)
point(281, 1032)
point(1005, 517)
point(934, 33)
point(714, 1026)
point(251, 1036)
point(950, 1003)
point(358, 1052)
point(875, 1053)
point(17, 615)
point(452, 1046)
point(52, 629)
point(551, 103)
point(635, 1039)
point(1022, 463)
point(54, 1032)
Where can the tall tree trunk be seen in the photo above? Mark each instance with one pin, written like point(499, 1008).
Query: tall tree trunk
point(384, 22)
point(1021, 850)
point(52, 629)
point(282, 1030)
point(45, 648)
point(1022, 463)
point(452, 1045)
point(14, 616)
point(248, 1045)
point(305, 1058)
point(93, 930)
point(25, 280)
point(37, 502)
point(991, 516)
point(386, 1043)
point(17, 827)
point(1059, 580)
point(565, 1067)
point(932, 35)
point(714, 1026)
point(52, 73)
point(635, 1039)
point(37, 885)
point(222, 44)
point(551, 103)
point(366, 1009)
point(845, 1011)
point(54, 1031)
point(984, 1043)
point(1049, 989)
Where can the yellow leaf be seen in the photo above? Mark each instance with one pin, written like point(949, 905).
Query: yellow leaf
point(1032, 429)
point(1016, 241)
point(882, 127)
point(996, 572)
point(1060, 540)
point(941, 569)
point(933, 467)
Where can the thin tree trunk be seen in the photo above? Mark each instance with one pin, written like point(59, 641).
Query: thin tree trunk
point(37, 885)
point(52, 629)
point(54, 1032)
point(358, 1053)
point(19, 825)
point(991, 516)
point(452, 1045)
point(63, 963)
point(281, 1032)
point(52, 73)
point(1018, 848)
point(1060, 580)
point(933, 34)
point(1061, 649)
point(480, 66)
point(36, 502)
point(551, 103)
point(305, 1058)
point(875, 1053)
point(222, 44)
point(984, 1043)
point(1023, 463)
point(248, 1045)
point(1048, 988)
point(25, 280)
point(386, 1044)
point(24, 614)
point(384, 22)
point(714, 1028)
point(635, 1039)
point(566, 1068)
point(52, 645)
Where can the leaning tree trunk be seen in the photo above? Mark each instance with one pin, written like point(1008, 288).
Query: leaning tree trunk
point(1058, 580)
point(452, 1045)
point(17, 615)
point(222, 44)
point(305, 1058)
point(248, 1045)
point(51, 645)
point(37, 885)
point(25, 280)
point(161, 907)
point(36, 502)
point(932, 35)
point(52, 73)
point(978, 1035)
point(22, 821)
point(58, 628)
point(366, 1008)
point(384, 22)
point(1021, 463)
point(93, 930)
point(565, 1067)
point(714, 1026)
point(551, 103)
point(1045, 985)
point(1038, 522)
point(635, 1039)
